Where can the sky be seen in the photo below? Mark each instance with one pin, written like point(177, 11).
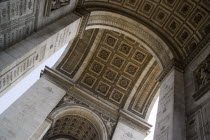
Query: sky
point(12, 95)
point(152, 120)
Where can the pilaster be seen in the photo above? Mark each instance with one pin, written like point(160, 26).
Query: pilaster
point(130, 128)
point(170, 122)
point(21, 120)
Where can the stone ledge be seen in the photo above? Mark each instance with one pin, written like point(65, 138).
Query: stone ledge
point(135, 123)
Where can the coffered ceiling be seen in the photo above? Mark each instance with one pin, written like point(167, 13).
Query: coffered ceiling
point(73, 127)
point(183, 24)
point(117, 69)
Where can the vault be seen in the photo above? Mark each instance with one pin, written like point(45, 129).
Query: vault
point(183, 25)
point(113, 68)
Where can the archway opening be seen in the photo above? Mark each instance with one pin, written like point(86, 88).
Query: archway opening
point(75, 123)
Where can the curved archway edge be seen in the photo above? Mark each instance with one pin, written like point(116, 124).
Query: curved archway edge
point(84, 112)
point(131, 28)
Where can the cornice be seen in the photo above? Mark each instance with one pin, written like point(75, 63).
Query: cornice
point(174, 64)
point(133, 122)
point(203, 44)
point(55, 78)
point(85, 17)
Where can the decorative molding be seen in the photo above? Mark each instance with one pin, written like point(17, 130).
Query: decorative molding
point(108, 74)
point(54, 77)
point(182, 24)
point(73, 125)
point(202, 78)
point(112, 20)
point(80, 3)
point(52, 5)
point(70, 100)
point(85, 17)
point(133, 122)
point(201, 46)
point(145, 92)
point(173, 64)
point(71, 62)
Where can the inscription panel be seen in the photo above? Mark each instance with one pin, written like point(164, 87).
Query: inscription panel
point(34, 57)
point(11, 36)
point(12, 75)
point(17, 21)
point(14, 9)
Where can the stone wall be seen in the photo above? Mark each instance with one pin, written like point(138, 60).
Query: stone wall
point(23, 44)
point(44, 19)
point(197, 97)
point(20, 59)
point(21, 120)
point(20, 18)
point(17, 21)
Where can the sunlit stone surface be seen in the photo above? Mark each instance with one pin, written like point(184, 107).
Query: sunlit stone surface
point(121, 56)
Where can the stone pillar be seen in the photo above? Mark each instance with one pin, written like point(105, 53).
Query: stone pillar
point(130, 128)
point(197, 92)
point(170, 122)
point(20, 59)
point(23, 118)
point(42, 130)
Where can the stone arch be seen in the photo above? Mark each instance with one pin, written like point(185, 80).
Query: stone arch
point(131, 28)
point(80, 117)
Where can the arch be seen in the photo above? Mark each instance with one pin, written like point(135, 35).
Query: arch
point(131, 28)
point(80, 111)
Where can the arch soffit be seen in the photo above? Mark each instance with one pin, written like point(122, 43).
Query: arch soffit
point(131, 28)
point(83, 112)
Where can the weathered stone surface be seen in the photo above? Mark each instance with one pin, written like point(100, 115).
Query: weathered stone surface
point(22, 58)
point(197, 100)
point(24, 116)
point(170, 122)
point(19, 19)
point(124, 132)
point(109, 72)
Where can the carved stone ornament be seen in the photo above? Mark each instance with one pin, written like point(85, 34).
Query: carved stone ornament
point(52, 5)
point(109, 122)
point(202, 78)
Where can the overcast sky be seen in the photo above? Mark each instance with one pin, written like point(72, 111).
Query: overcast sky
point(11, 96)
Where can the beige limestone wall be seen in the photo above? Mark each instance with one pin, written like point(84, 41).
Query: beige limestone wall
point(197, 111)
point(20, 18)
point(40, 132)
point(124, 132)
point(22, 118)
point(43, 20)
point(20, 59)
point(190, 82)
point(170, 122)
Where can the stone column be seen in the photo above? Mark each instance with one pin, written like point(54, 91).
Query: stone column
point(170, 122)
point(20, 59)
point(23, 118)
point(42, 130)
point(130, 128)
